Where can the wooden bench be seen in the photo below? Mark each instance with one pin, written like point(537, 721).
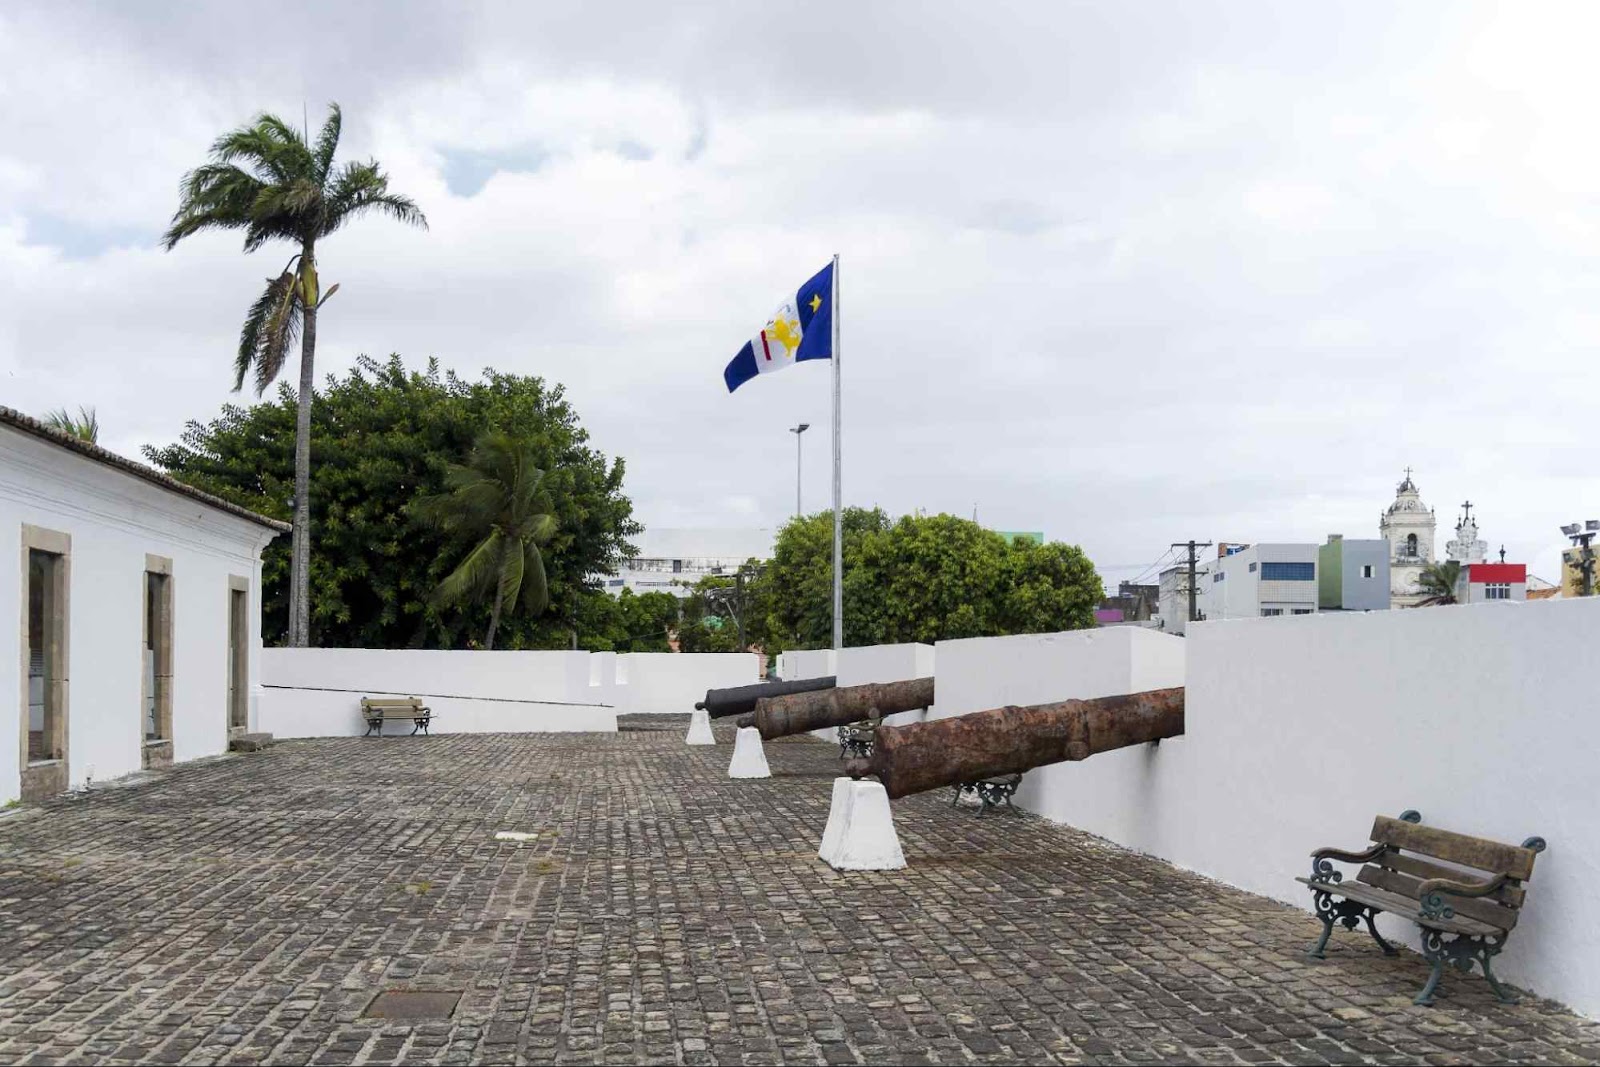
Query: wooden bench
point(855, 738)
point(992, 792)
point(1464, 892)
point(379, 710)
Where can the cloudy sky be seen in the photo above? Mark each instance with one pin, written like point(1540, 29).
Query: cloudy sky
point(1125, 273)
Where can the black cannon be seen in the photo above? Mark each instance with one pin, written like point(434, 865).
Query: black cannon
point(741, 699)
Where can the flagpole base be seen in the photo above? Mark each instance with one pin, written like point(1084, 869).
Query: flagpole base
point(749, 760)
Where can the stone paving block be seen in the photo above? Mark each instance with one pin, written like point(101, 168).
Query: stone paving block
point(248, 910)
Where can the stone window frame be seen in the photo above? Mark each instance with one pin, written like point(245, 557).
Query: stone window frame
point(48, 777)
point(159, 565)
point(239, 644)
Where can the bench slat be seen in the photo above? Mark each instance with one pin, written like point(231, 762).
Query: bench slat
point(1395, 904)
point(1511, 896)
point(1468, 851)
point(1483, 909)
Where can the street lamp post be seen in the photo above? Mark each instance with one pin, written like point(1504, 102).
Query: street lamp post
point(797, 431)
point(1581, 537)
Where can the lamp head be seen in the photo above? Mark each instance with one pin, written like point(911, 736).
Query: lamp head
point(1570, 529)
point(802, 428)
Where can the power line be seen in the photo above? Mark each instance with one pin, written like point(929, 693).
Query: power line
point(1194, 615)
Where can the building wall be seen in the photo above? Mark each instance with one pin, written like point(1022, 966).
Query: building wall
point(316, 692)
point(1358, 593)
point(1299, 731)
point(114, 521)
point(1242, 594)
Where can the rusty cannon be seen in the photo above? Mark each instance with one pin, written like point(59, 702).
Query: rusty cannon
point(797, 713)
point(988, 744)
point(741, 699)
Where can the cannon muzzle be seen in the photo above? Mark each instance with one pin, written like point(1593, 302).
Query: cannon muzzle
point(741, 699)
point(986, 744)
point(796, 713)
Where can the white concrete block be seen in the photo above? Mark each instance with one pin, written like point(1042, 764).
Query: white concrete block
point(860, 833)
point(700, 729)
point(749, 759)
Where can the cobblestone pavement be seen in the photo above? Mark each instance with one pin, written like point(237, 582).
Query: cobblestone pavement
point(248, 910)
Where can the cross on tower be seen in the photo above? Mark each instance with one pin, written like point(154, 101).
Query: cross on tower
point(1466, 509)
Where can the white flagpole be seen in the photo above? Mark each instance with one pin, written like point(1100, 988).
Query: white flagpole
point(838, 507)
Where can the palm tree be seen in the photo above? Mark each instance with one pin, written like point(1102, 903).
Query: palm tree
point(85, 425)
point(496, 499)
point(267, 180)
point(1438, 581)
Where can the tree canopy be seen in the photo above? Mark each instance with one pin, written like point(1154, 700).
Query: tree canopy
point(921, 578)
point(382, 437)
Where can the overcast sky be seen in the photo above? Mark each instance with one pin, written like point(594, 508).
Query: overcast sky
point(1122, 273)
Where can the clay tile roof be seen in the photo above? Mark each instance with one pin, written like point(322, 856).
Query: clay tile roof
point(29, 425)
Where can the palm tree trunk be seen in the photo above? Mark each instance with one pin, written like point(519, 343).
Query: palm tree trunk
point(494, 619)
point(300, 549)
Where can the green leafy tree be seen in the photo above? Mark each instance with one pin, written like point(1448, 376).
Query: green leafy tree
point(922, 578)
point(1048, 587)
point(85, 425)
point(1438, 583)
point(269, 181)
point(386, 436)
point(496, 499)
point(801, 577)
point(717, 606)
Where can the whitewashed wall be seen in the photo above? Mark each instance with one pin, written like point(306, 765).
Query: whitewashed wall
point(1300, 730)
point(673, 682)
point(114, 519)
point(812, 663)
point(316, 692)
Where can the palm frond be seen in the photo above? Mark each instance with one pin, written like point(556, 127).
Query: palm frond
point(269, 332)
point(361, 187)
point(511, 570)
point(328, 142)
point(535, 587)
point(214, 196)
point(473, 575)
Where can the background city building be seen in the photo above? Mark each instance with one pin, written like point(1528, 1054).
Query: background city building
point(1408, 525)
point(1353, 574)
point(673, 559)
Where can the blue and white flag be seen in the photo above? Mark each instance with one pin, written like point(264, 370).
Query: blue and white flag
point(801, 328)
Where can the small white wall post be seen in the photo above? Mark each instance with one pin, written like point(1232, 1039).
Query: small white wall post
point(749, 761)
point(860, 833)
point(700, 729)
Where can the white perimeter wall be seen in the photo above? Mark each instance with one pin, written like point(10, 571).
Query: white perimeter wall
point(114, 519)
point(1300, 729)
point(316, 692)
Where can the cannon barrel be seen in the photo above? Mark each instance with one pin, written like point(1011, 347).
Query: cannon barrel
point(986, 744)
point(795, 713)
point(741, 699)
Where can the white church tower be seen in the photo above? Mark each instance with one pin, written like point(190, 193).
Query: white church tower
point(1467, 548)
point(1408, 526)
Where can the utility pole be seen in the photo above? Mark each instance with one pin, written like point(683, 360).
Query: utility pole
point(1191, 545)
point(797, 431)
point(1582, 538)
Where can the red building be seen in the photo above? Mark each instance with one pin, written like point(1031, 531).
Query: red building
point(1492, 581)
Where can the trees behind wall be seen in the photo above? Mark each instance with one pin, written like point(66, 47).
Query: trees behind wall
point(382, 437)
point(921, 578)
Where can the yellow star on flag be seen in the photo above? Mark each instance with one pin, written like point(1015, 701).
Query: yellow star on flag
point(816, 302)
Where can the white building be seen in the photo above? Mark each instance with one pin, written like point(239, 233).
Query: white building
point(1467, 547)
point(1408, 525)
point(1260, 580)
point(139, 606)
point(671, 560)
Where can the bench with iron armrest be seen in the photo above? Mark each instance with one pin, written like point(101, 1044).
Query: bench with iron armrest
point(1465, 893)
point(856, 738)
point(991, 792)
point(379, 710)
